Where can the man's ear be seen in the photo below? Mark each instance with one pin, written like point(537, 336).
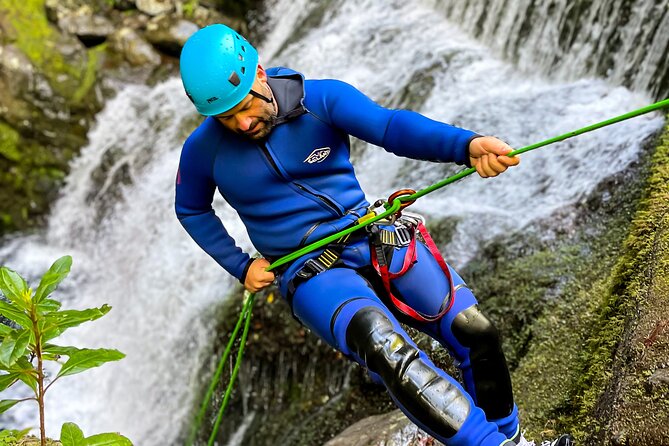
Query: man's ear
point(260, 73)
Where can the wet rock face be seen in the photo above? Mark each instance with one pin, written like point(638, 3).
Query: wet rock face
point(659, 380)
point(91, 29)
point(391, 429)
point(58, 62)
point(17, 75)
point(80, 19)
point(155, 7)
point(169, 33)
point(135, 50)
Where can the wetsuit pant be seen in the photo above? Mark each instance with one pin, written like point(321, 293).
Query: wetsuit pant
point(342, 307)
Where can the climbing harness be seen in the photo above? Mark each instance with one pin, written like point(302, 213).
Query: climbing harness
point(381, 263)
point(396, 203)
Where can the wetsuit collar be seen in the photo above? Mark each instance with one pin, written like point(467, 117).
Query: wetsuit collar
point(288, 90)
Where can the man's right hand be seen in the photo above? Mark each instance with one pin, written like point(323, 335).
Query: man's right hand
point(256, 277)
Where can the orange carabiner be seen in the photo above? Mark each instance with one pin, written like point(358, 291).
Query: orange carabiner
point(401, 193)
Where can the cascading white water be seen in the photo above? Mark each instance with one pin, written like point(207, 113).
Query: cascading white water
point(116, 215)
point(130, 252)
point(625, 40)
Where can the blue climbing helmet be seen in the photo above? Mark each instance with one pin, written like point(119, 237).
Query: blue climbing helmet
point(218, 67)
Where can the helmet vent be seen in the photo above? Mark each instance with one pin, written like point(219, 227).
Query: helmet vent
point(243, 70)
point(240, 57)
point(243, 49)
point(234, 79)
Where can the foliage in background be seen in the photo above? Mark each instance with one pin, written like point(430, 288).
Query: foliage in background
point(34, 321)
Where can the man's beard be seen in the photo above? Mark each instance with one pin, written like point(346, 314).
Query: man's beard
point(268, 124)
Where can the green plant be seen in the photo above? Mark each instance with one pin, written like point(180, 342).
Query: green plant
point(34, 320)
point(189, 7)
point(8, 437)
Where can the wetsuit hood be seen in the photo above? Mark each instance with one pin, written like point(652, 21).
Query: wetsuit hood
point(288, 88)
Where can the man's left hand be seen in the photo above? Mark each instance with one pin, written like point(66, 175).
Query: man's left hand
point(488, 155)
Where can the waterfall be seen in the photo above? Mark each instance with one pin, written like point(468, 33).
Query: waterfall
point(625, 41)
point(116, 218)
point(115, 214)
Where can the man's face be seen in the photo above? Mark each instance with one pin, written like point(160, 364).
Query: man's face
point(252, 117)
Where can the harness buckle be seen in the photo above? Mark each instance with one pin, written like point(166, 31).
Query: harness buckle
point(412, 218)
point(316, 266)
point(403, 235)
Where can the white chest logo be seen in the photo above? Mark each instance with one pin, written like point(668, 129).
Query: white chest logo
point(318, 155)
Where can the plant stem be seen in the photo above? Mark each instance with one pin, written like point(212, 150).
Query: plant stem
point(40, 375)
point(40, 395)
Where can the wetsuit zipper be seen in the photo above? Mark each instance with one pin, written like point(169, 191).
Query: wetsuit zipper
point(329, 203)
point(270, 159)
point(325, 200)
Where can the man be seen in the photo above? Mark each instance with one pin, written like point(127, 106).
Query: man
point(276, 146)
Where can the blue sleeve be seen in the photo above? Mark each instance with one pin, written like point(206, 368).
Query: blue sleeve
point(402, 132)
point(195, 189)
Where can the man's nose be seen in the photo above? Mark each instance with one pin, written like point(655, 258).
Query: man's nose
point(244, 123)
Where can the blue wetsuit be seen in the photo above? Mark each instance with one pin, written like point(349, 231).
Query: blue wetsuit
point(298, 186)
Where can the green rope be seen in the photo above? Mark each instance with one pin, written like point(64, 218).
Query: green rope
point(245, 316)
point(391, 208)
point(395, 205)
point(238, 362)
point(464, 173)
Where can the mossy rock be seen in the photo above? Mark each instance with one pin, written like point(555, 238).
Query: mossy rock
point(62, 59)
point(588, 369)
point(31, 440)
point(47, 106)
point(9, 139)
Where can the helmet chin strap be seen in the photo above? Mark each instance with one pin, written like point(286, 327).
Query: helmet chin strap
point(261, 96)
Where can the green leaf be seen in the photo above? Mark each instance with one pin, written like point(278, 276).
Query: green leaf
point(49, 357)
point(29, 380)
point(58, 271)
point(5, 330)
point(59, 321)
point(13, 287)
point(26, 372)
point(71, 435)
point(11, 436)
point(5, 405)
point(53, 352)
point(7, 380)
point(60, 350)
point(48, 306)
point(14, 346)
point(22, 365)
point(108, 439)
point(86, 359)
point(15, 314)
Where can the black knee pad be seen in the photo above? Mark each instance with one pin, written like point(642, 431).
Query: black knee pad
point(415, 384)
point(472, 329)
point(491, 375)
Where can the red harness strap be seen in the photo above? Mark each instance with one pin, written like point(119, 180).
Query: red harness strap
point(381, 266)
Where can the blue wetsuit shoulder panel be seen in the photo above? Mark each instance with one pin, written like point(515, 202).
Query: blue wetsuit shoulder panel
point(402, 132)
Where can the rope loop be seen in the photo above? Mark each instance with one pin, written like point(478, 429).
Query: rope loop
point(402, 193)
